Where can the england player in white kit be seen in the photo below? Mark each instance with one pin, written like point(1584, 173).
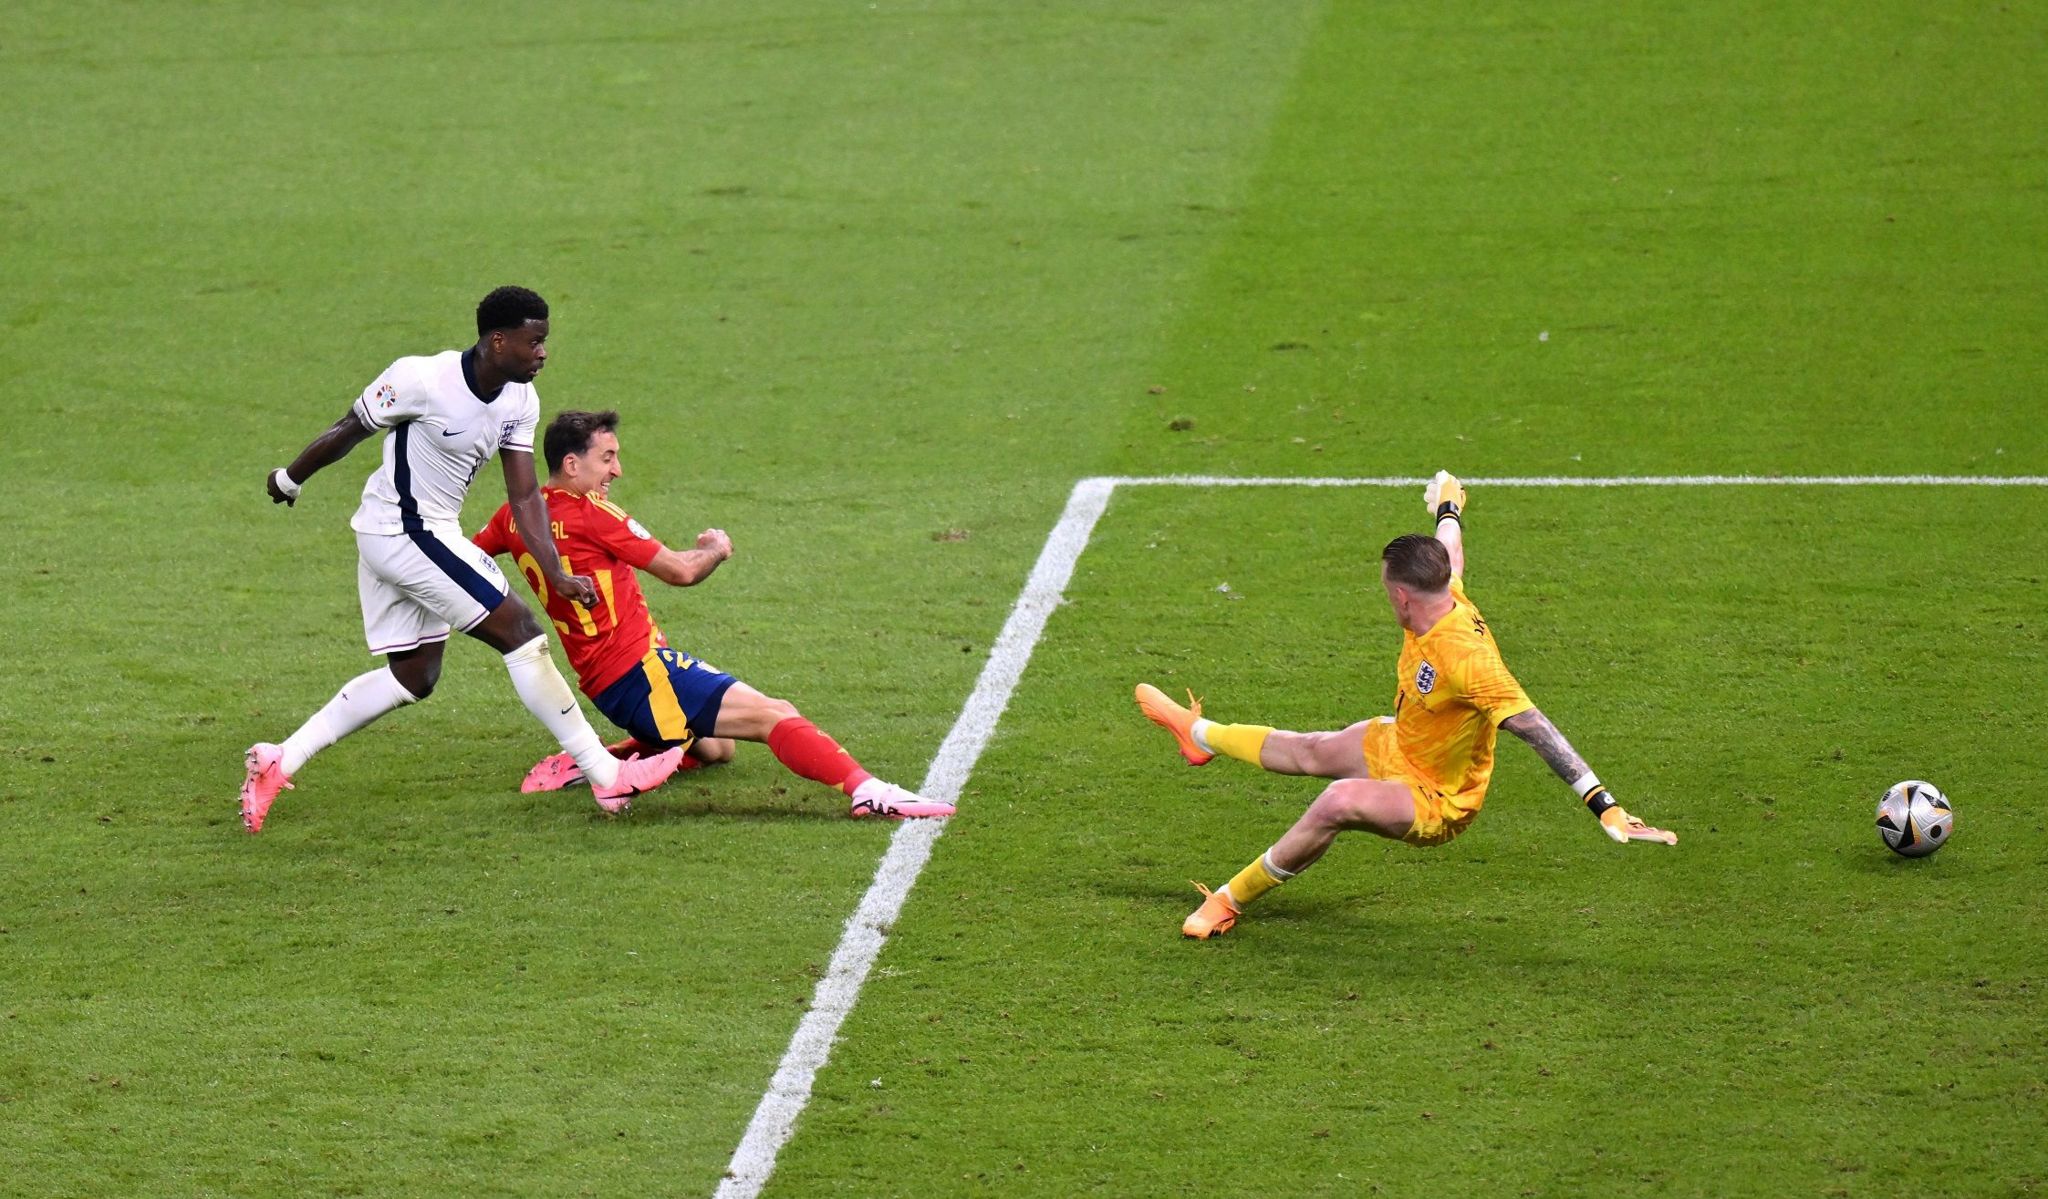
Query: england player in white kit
point(418, 577)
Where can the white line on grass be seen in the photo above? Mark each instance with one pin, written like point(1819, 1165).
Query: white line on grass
point(1610, 481)
point(911, 846)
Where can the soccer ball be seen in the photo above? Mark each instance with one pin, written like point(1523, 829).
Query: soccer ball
point(1914, 818)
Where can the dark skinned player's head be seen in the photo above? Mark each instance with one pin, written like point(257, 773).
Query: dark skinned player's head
point(512, 332)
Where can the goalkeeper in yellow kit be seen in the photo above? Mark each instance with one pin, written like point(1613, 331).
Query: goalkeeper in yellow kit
point(1419, 775)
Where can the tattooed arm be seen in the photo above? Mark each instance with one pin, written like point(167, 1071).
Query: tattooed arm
point(1535, 728)
point(1542, 736)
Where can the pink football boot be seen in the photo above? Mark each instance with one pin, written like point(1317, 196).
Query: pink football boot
point(552, 773)
point(265, 763)
point(637, 774)
point(557, 771)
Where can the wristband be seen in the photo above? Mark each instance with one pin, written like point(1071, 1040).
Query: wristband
point(1598, 800)
point(283, 479)
point(1448, 511)
point(1585, 783)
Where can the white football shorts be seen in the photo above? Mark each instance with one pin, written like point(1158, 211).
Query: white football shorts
point(415, 586)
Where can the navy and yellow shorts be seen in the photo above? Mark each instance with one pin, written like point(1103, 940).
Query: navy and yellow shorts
point(670, 699)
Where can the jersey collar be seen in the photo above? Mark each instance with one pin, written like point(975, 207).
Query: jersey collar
point(1442, 622)
point(469, 377)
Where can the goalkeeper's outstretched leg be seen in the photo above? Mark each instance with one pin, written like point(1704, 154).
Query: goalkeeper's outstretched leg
point(1338, 754)
point(1421, 774)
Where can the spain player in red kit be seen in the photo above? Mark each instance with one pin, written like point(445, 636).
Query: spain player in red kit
point(661, 696)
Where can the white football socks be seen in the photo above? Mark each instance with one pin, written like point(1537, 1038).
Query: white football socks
point(1199, 730)
point(361, 700)
point(546, 694)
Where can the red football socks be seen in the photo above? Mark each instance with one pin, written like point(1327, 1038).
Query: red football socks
point(797, 744)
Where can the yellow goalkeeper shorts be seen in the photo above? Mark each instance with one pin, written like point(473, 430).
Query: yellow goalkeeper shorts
point(1437, 819)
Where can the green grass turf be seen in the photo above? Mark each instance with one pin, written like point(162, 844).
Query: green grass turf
point(868, 279)
point(1530, 1009)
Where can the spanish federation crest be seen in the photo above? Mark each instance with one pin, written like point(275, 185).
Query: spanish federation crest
point(1425, 679)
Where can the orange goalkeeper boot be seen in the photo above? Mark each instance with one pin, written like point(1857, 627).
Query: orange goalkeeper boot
point(1174, 719)
point(1214, 918)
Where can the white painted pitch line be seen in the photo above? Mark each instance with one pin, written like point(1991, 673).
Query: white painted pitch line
point(911, 847)
point(1596, 481)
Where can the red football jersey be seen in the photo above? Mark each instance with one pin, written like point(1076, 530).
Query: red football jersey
point(594, 538)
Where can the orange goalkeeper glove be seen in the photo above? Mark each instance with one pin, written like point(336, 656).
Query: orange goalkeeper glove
point(1618, 824)
point(1623, 827)
point(1445, 496)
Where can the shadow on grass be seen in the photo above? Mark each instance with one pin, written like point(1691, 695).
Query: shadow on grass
point(1884, 861)
point(655, 808)
point(1334, 936)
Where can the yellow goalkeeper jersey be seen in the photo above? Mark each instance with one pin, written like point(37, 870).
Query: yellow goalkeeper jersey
point(1454, 691)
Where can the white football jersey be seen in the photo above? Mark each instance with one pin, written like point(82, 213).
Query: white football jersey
point(440, 437)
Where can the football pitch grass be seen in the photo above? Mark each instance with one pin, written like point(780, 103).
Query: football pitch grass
point(874, 286)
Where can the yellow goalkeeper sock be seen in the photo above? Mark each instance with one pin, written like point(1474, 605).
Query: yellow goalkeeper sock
point(1240, 741)
point(1255, 880)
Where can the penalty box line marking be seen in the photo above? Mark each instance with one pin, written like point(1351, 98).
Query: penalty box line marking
point(911, 846)
point(789, 1091)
